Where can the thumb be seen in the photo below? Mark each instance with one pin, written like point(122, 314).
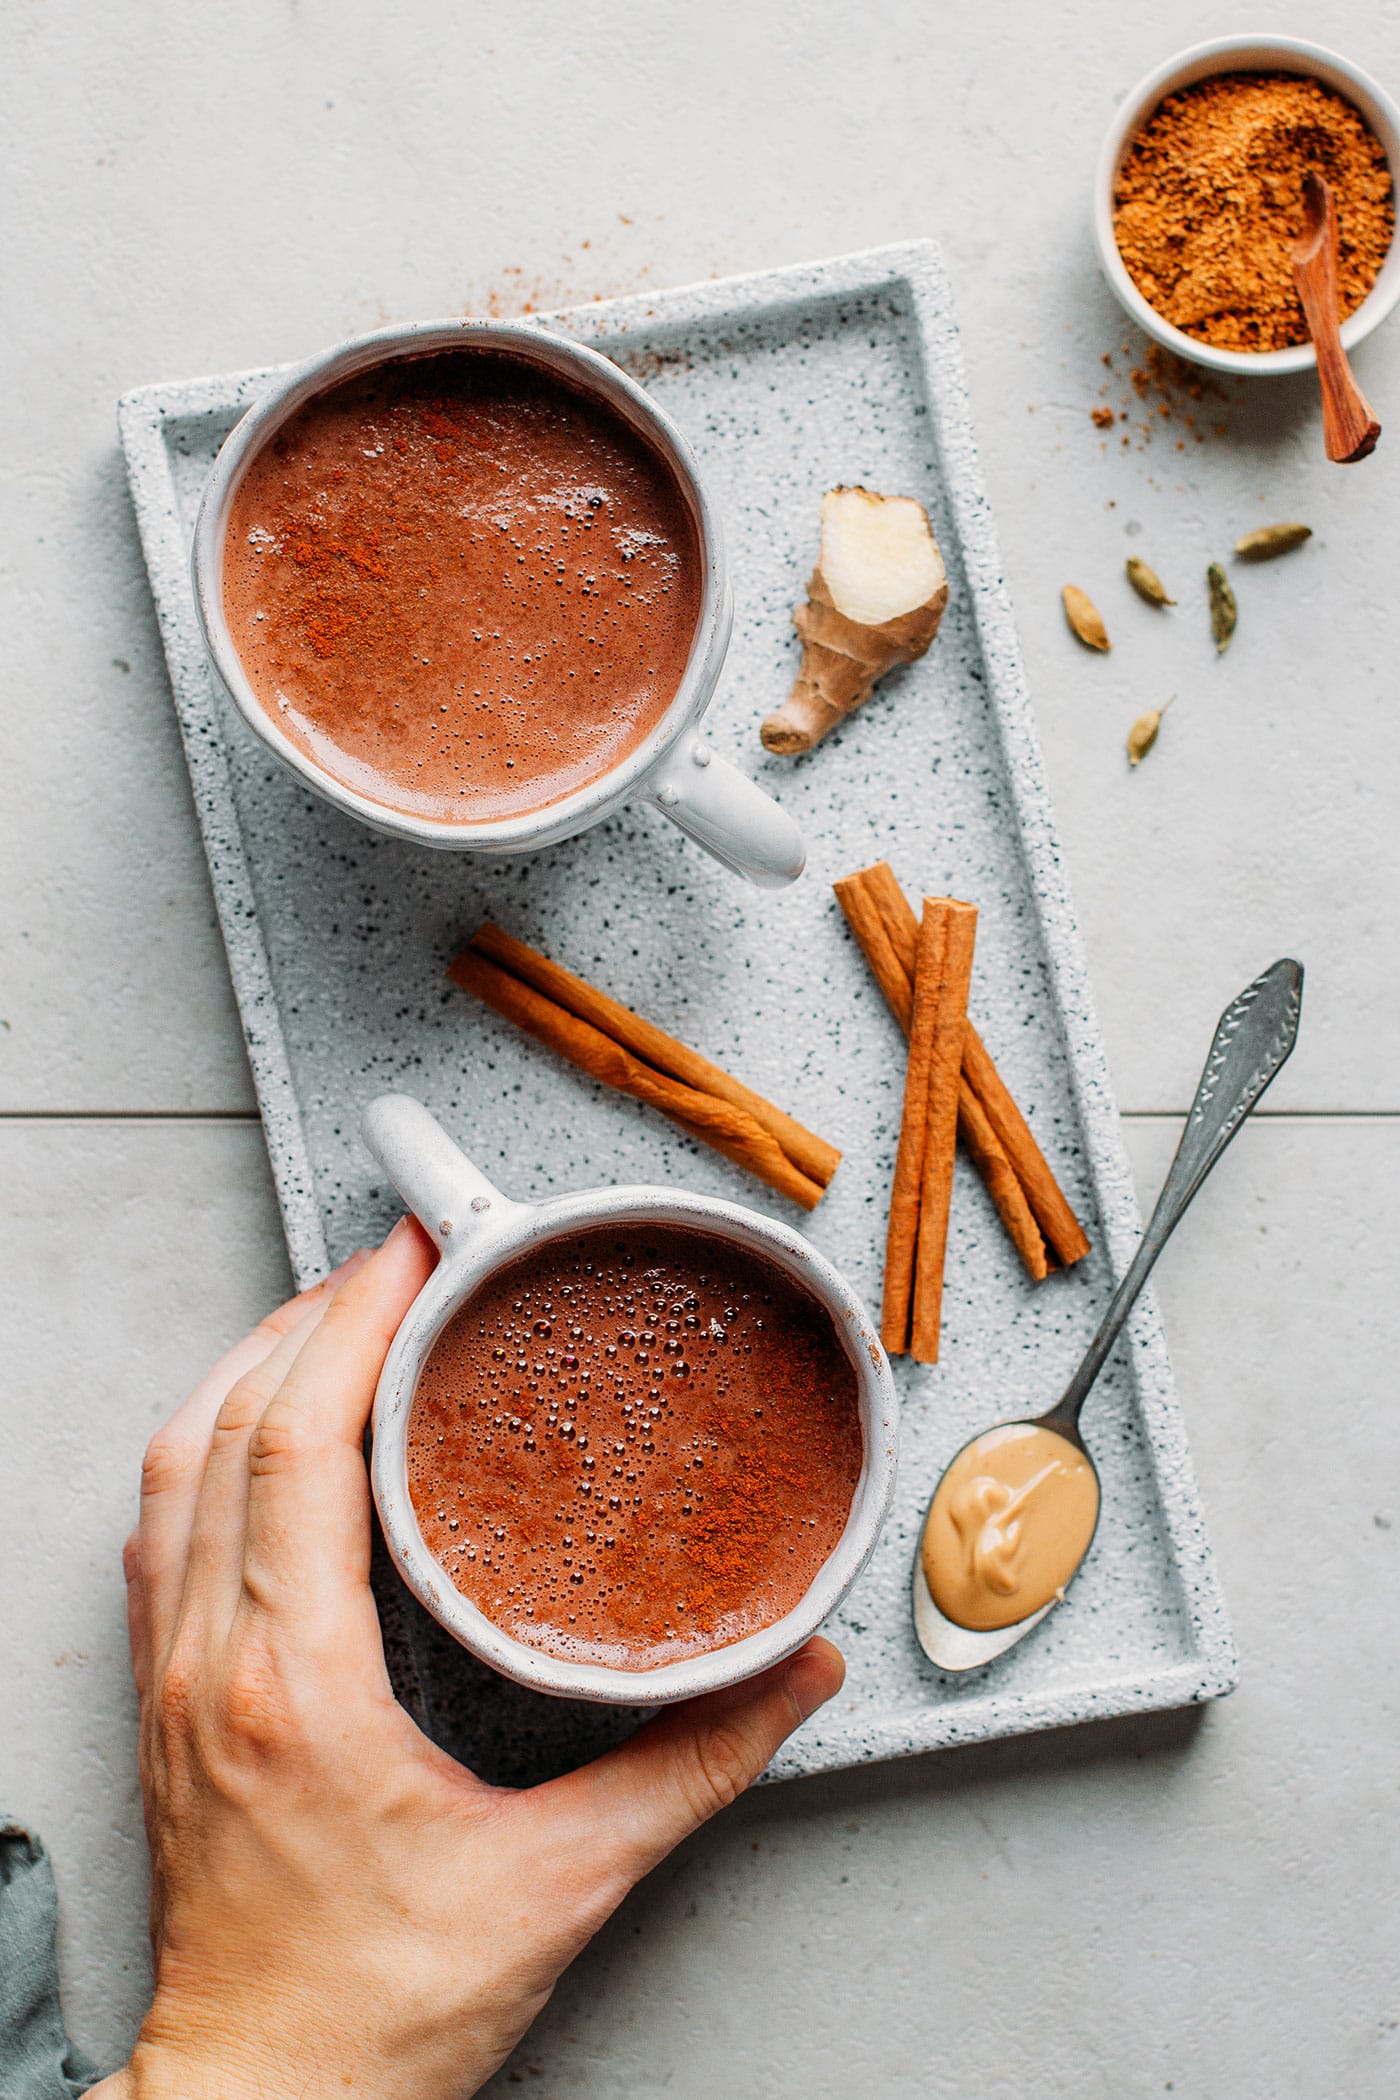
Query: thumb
point(635, 1804)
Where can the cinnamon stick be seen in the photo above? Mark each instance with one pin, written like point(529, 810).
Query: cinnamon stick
point(1063, 1231)
point(902, 1231)
point(730, 1125)
point(810, 1154)
point(989, 1157)
point(941, 1142)
point(880, 917)
point(917, 1238)
point(989, 1122)
point(884, 924)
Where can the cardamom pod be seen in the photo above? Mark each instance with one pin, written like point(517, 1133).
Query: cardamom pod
point(1146, 582)
point(1270, 540)
point(1223, 610)
point(1084, 617)
point(1143, 734)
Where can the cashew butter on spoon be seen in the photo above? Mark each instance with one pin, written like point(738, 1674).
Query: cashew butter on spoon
point(1015, 1513)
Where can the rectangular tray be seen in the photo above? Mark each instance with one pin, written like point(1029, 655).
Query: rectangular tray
point(786, 383)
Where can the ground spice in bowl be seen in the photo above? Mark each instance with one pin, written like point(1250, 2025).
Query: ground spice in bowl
point(1209, 201)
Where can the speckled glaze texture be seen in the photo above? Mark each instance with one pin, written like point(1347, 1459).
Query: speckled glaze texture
point(785, 384)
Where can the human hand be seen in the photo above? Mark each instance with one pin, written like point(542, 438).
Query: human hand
point(337, 1907)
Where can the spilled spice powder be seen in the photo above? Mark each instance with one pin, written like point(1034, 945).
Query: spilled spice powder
point(1209, 201)
point(1162, 395)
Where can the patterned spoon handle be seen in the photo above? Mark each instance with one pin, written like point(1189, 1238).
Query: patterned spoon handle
point(1253, 1040)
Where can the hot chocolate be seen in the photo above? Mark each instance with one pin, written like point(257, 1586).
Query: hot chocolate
point(462, 586)
point(636, 1445)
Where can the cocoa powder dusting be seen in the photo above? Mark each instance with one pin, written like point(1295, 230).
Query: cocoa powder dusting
point(461, 586)
point(634, 1445)
point(1208, 204)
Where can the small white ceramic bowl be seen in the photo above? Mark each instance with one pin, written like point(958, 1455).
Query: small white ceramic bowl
point(1242, 54)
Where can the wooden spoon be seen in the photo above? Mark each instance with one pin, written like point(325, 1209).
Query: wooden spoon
point(1349, 427)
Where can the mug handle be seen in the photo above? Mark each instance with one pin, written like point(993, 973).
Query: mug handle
point(728, 814)
point(450, 1198)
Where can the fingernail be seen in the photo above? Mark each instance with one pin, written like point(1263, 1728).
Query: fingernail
point(811, 1681)
point(397, 1232)
point(348, 1267)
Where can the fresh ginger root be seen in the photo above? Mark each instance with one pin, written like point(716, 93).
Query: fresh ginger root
point(874, 601)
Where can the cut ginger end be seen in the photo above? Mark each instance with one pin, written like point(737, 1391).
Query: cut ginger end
point(879, 559)
point(875, 600)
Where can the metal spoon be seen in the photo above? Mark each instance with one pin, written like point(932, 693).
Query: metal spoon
point(1253, 1039)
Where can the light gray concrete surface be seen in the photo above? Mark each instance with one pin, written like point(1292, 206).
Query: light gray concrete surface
point(1204, 1908)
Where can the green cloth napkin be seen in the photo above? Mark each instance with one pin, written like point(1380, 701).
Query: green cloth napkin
point(37, 2060)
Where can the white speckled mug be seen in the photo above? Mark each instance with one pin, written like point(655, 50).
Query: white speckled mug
point(479, 1229)
point(672, 768)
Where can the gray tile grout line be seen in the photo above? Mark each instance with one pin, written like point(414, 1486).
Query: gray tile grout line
point(129, 1115)
point(250, 1115)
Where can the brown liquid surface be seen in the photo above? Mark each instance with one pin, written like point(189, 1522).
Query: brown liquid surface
point(1010, 1523)
point(461, 586)
point(635, 1445)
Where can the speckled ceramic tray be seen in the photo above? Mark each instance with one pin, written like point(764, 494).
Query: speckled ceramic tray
point(786, 383)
